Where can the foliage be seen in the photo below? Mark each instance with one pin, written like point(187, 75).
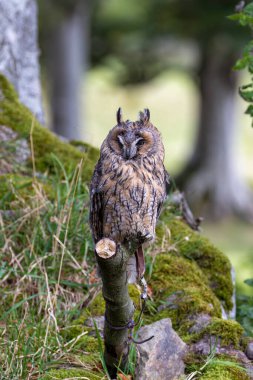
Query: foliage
point(45, 144)
point(198, 249)
point(215, 367)
point(245, 18)
point(44, 274)
point(245, 310)
point(141, 39)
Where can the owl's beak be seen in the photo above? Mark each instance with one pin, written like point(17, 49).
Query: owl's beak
point(130, 152)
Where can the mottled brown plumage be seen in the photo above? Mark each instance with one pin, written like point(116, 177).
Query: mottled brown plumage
point(128, 186)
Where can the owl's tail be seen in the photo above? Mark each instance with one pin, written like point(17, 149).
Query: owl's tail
point(136, 266)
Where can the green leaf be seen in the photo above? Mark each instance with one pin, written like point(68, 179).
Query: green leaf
point(244, 87)
point(246, 95)
point(248, 9)
point(234, 17)
point(241, 64)
point(249, 282)
point(250, 68)
point(249, 110)
point(100, 345)
point(250, 313)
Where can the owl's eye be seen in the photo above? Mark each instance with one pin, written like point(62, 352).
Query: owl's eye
point(140, 142)
point(121, 141)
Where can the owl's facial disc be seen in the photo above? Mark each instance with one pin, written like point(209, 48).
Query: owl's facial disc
point(130, 145)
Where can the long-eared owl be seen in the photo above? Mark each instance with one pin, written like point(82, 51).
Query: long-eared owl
point(128, 186)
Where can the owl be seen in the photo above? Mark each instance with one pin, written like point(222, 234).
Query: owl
point(128, 186)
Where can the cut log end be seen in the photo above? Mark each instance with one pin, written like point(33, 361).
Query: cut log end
point(105, 248)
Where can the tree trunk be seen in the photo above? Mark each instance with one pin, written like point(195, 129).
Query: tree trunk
point(68, 61)
point(212, 179)
point(112, 261)
point(19, 51)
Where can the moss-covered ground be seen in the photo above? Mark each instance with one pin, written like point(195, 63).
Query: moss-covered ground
point(49, 286)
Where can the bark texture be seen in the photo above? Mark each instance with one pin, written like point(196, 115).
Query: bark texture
point(112, 261)
point(212, 178)
point(19, 51)
point(68, 52)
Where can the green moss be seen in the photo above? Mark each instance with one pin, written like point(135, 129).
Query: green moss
point(174, 233)
point(97, 306)
point(63, 374)
point(135, 294)
point(86, 343)
point(220, 367)
point(182, 280)
point(229, 332)
point(92, 152)
point(220, 371)
point(46, 145)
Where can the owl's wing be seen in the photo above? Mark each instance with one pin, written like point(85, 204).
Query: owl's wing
point(167, 188)
point(167, 182)
point(96, 205)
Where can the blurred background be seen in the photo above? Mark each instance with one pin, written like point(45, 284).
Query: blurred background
point(176, 58)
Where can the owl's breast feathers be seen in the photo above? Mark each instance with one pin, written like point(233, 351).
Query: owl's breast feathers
point(127, 198)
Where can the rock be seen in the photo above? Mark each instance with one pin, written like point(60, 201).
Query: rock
point(231, 314)
point(200, 322)
point(203, 347)
point(99, 323)
point(7, 134)
point(13, 151)
point(249, 350)
point(171, 301)
point(162, 356)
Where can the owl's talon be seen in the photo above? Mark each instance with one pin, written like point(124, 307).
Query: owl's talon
point(144, 294)
point(149, 236)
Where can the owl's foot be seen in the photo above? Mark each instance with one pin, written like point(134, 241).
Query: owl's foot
point(145, 237)
point(149, 237)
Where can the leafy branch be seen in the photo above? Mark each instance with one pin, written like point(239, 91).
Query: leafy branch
point(244, 16)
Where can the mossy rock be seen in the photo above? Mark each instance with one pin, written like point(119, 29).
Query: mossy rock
point(181, 292)
point(221, 371)
point(46, 145)
point(227, 331)
point(176, 235)
point(72, 373)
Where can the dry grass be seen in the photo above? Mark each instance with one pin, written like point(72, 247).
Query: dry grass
point(44, 274)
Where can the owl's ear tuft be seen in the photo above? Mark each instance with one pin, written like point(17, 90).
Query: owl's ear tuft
point(144, 116)
point(119, 116)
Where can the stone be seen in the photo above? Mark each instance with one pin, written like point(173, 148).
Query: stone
point(13, 151)
point(231, 314)
point(100, 321)
point(162, 356)
point(201, 321)
point(204, 346)
point(249, 351)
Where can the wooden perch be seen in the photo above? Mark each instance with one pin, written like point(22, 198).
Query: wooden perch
point(112, 261)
